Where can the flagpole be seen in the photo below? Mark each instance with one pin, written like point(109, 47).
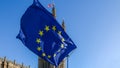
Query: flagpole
point(68, 61)
point(56, 66)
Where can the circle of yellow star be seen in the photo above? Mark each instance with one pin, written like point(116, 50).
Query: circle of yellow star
point(47, 28)
point(59, 32)
point(54, 55)
point(38, 40)
point(54, 28)
point(49, 56)
point(41, 33)
point(43, 54)
point(59, 50)
point(62, 45)
point(39, 48)
point(63, 39)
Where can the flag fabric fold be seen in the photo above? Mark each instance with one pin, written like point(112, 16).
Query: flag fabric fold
point(43, 35)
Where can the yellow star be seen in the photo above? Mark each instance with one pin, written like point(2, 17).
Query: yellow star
point(54, 55)
point(59, 50)
point(49, 56)
point(38, 40)
point(39, 48)
point(59, 32)
point(63, 39)
point(54, 28)
point(41, 33)
point(62, 45)
point(43, 54)
point(47, 28)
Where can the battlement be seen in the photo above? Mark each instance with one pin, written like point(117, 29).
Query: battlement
point(5, 63)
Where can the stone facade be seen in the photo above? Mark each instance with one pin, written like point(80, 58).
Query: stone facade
point(4, 63)
point(44, 64)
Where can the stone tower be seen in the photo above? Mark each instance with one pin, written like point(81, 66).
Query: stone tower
point(41, 62)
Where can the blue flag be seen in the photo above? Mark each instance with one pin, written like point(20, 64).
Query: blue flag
point(42, 34)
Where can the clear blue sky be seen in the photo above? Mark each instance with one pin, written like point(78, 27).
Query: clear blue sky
point(94, 26)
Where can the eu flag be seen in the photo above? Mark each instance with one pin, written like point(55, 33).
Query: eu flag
point(42, 34)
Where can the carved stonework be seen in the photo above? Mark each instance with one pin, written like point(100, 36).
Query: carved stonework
point(0, 64)
point(4, 63)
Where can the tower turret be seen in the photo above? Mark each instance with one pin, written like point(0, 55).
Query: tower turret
point(63, 25)
point(54, 10)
